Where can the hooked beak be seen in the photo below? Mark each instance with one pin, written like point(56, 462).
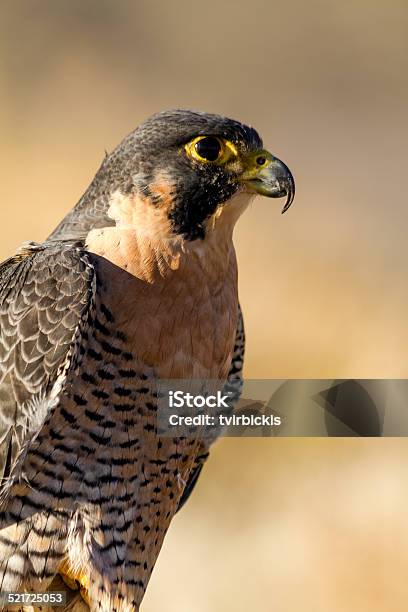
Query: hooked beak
point(269, 176)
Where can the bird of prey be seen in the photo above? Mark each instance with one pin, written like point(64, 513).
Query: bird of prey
point(137, 283)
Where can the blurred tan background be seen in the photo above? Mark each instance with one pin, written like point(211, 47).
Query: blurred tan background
point(275, 525)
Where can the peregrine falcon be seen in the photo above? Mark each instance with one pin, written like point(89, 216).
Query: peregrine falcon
point(137, 283)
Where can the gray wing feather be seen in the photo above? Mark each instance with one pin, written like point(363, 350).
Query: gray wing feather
point(45, 291)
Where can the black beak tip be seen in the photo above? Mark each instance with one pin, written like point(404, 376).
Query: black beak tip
point(290, 195)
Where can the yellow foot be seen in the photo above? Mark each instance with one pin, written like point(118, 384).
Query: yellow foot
point(75, 580)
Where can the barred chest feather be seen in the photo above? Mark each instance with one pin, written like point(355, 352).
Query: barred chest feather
point(105, 455)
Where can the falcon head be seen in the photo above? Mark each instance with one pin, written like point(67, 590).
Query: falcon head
point(180, 171)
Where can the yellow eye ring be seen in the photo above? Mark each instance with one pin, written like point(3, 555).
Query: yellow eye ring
point(210, 150)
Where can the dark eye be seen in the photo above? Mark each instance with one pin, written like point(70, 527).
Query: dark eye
point(209, 148)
